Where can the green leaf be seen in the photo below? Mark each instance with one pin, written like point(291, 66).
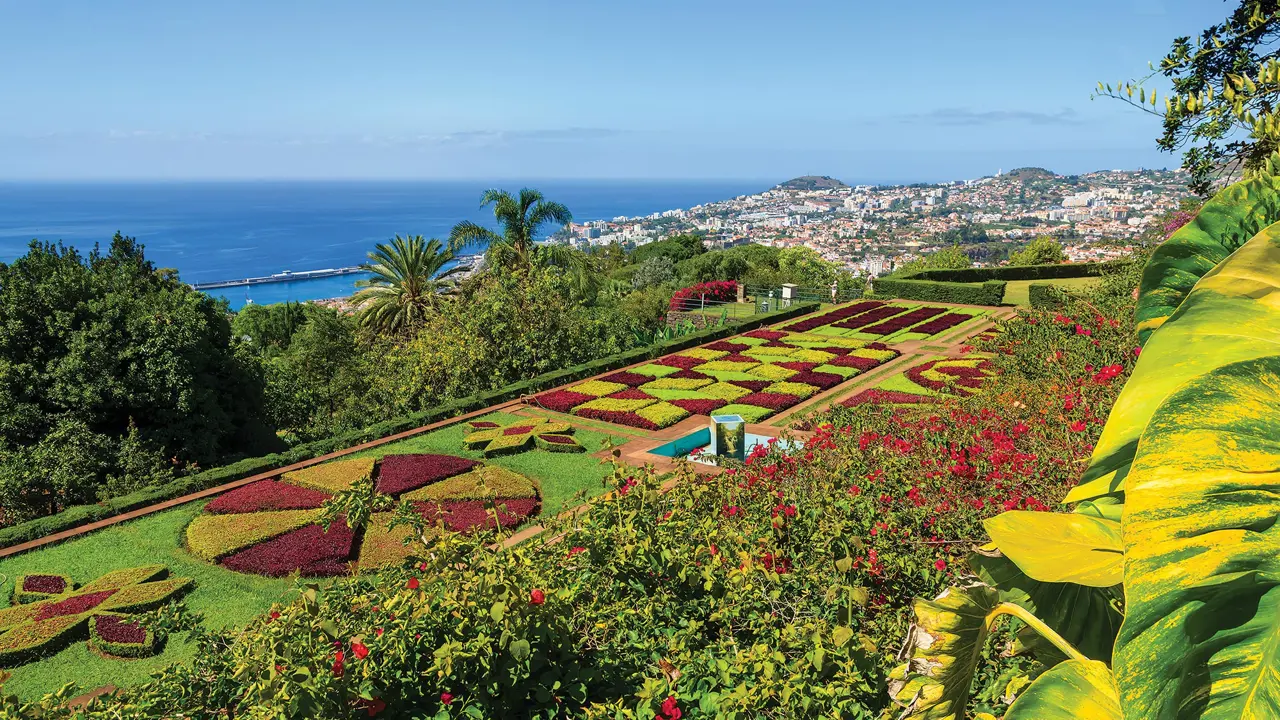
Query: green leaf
point(497, 611)
point(1086, 617)
point(1230, 316)
point(942, 652)
point(329, 627)
point(1060, 547)
point(1202, 579)
point(841, 635)
point(519, 649)
point(1073, 690)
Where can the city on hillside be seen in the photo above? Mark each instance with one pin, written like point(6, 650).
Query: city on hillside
point(873, 229)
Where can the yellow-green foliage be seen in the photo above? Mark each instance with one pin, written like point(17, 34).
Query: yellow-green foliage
point(881, 355)
point(598, 388)
point(615, 404)
point(816, 356)
point(485, 481)
point(385, 547)
point(677, 384)
point(663, 414)
point(211, 536)
point(704, 354)
point(758, 352)
point(724, 391)
point(772, 372)
point(790, 388)
point(750, 413)
point(725, 366)
point(333, 476)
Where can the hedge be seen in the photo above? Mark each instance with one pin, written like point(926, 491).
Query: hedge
point(1012, 272)
point(990, 292)
point(77, 515)
point(1045, 296)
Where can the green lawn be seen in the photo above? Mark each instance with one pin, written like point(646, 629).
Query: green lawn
point(1015, 292)
point(226, 598)
point(231, 599)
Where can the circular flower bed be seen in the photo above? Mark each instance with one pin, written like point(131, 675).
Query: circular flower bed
point(272, 527)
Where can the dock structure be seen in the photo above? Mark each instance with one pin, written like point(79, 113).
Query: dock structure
point(285, 276)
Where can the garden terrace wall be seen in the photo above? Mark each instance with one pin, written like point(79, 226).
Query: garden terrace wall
point(988, 293)
point(78, 515)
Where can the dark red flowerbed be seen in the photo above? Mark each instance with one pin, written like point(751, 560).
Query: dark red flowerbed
point(877, 345)
point(688, 375)
point(966, 379)
point(752, 385)
point(620, 417)
point(558, 439)
point(632, 394)
point(765, 334)
point(470, 515)
point(266, 495)
point(629, 379)
point(699, 407)
point(798, 365)
point(854, 361)
point(961, 371)
point(727, 346)
point(51, 584)
point(563, 400)
point(944, 322)
point(902, 322)
point(773, 401)
point(886, 396)
point(517, 430)
point(870, 317)
point(738, 358)
point(309, 550)
point(777, 343)
point(113, 628)
point(835, 350)
point(73, 605)
point(834, 316)
point(819, 379)
point(482, 424)
point(679, 361)
point(401, 473)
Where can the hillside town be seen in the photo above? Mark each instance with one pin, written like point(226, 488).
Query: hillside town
point(872, 229)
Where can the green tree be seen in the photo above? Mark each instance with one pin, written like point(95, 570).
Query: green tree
point(949, 258)
point(269, 328)
point(676, 247)
point(408, 275)
point(1225, 90)
point(1044, 250)
point(654, 271)
point(804, 266)
point(519, 218)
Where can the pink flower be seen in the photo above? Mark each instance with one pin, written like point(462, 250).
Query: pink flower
point(940, 564)
point(575, 550)
point(446, 698)
point(670, 710)
point(1082, 330)
point(537, 597)
point(1077, 426)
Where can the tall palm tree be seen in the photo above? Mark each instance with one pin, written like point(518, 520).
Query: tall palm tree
point(408, 276)
point(520, 219)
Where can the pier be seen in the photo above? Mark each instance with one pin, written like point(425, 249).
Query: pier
point(285, 276)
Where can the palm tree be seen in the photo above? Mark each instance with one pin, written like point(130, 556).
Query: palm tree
point(406, 283)
point(520, 220)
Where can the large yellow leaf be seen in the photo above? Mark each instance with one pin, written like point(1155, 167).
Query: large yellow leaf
point(1060, 547)
point(1233, 314)
point(1072, 690)
point(1201, 635)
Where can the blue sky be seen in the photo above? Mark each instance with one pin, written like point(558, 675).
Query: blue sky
point(866, 91)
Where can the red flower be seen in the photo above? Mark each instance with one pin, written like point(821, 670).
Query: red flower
point(536, 597)
point(446, 698)
point(373, 706)
point(575, 550)
point(940, 564)
point(359, 650)
point(413, 584)
point(378, 632)
point(1137, 351)
point(1082, 330)
point(338, 657)
point(670, 710)
point(274, 616)
point(1077, 426)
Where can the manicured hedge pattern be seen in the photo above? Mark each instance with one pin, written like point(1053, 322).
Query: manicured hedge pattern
point(266, 495)
point(77, 515)
point(987, 293)
point(519, 436)
point(309, 551)
point(401, 473)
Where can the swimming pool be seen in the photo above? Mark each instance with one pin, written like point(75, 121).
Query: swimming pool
point(700, 439)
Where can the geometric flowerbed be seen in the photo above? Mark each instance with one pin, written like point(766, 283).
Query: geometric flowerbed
point(49, 611)
point(928, 382)
point(494, 439)
point(271, 527)
point(754, 375)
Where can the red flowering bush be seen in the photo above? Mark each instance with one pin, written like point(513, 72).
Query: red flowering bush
point(714, 291)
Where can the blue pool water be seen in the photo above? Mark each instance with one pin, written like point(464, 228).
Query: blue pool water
point(700, 439)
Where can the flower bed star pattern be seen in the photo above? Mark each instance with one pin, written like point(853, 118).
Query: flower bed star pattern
point(494, 439)
point(757, 374)
point(49, 612)
point(272, 527)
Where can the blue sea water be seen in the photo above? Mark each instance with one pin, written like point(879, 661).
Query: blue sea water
point(229, 230)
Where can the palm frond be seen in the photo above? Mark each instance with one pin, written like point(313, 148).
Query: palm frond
point(467, 232)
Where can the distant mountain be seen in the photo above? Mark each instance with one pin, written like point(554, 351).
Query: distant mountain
point(812, 182)
point(1031, 172)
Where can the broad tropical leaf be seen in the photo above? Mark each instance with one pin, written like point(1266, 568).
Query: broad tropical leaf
point(1087, 617)
point(1232, 315)
point(1061, 547)
point(942, 653)
point(1073, 690)
point(1201, 637)
point(1222, 225)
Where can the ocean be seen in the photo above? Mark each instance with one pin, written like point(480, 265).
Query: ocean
point(213, 231)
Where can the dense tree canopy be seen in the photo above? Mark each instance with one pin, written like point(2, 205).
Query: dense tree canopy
point(1044, 250)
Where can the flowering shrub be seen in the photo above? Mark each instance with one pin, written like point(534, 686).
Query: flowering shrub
point(891, 397)
point(714, 291)
point(266, 495)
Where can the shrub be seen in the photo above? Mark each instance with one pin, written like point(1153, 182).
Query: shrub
point(714, 291)
point(670, 383)
point(36, 587)
point(266, 495)
point(772, 401)
point(334, 476)
point(799, 389)
point(597, 388)
point(116, 636)
point(564, 400)
point(473, 516)
point(627, 378)
point(560, 443)
point(613, 405)
point(402, 473)
point(724, 391)
point(990, 292)
point(699, 407)
point(771, 372)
